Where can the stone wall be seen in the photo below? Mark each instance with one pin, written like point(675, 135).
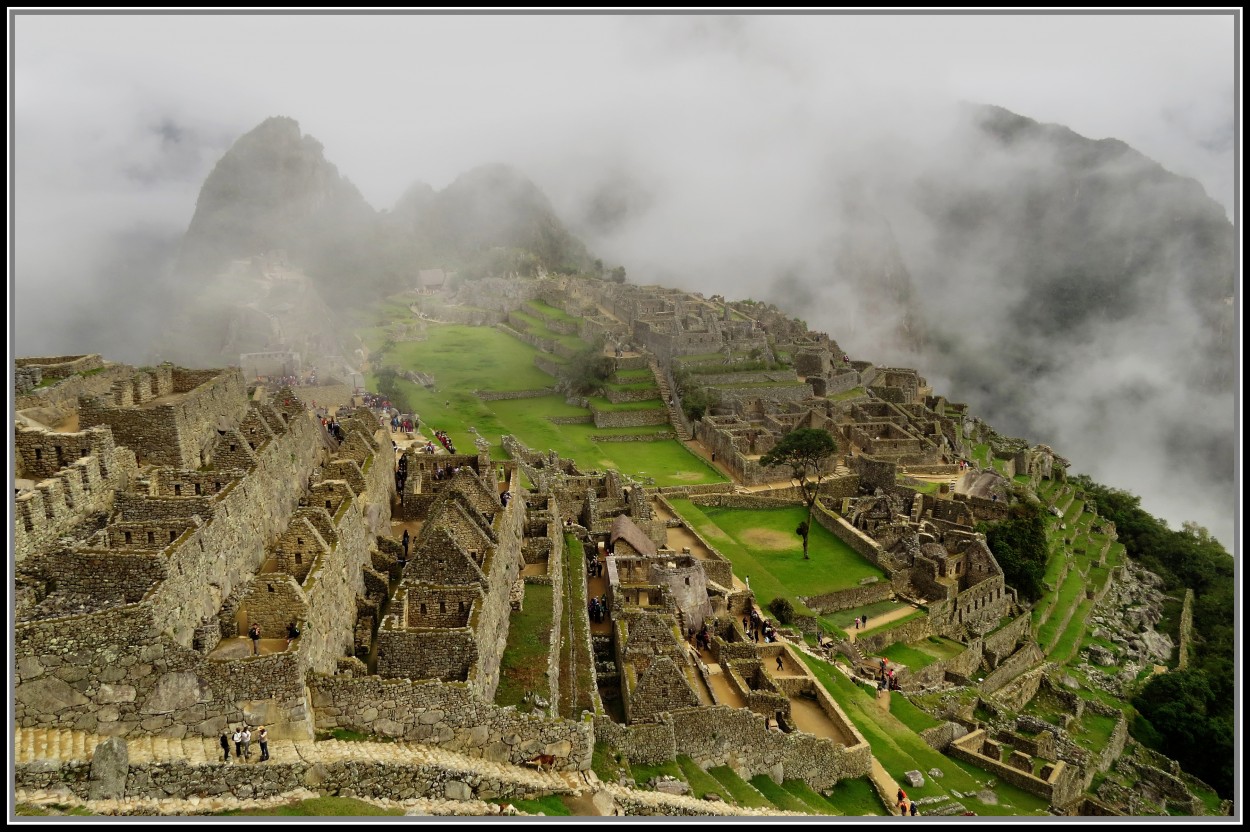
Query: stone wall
point(449, 715)
point(874, 641)
point(63, 395)
point(848, 534)
point(1026, 657)
point(177, 432)
point(846, 599)
point(112, 673)
point(629, 418)
point(1002, 642)
point(1060, 786)
point(86, 486)
point(500, 395)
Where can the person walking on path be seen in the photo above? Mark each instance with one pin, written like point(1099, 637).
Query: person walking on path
point(262, 736)
point(292, 633)
point(238, 743)
point(902, 798)
point(247, 742)
point(779, 664)
point(225, 747)
point(253, 632)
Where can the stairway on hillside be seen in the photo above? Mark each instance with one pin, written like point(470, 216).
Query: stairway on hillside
point(675, 416)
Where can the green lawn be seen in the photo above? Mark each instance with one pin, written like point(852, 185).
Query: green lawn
point(744, 794)
point(909, 656)
point(548, 311)
point(643, 772)
point(552, 805)
point(574, 636)
point(701, 783)
point(605, 764)
point(762, 545)
point(845, 395)
point(778, 796)
point(599, 403)
point(524, 664)
point(855, 797)
point(911, 716)
point(463, 359)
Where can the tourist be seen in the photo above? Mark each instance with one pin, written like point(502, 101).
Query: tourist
point(253, 633)
point(238, 743)
point(292, 633)
point(225, 747)
point(262, 736)
point(247, 742)
point(857, 622)
point(779, 663)
point(405, 543)
point(914, 813)
point(902, 797)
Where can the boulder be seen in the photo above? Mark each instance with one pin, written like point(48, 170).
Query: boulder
point(110, 762)
point(915, 778)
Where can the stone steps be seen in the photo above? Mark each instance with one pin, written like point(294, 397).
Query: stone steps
point(59, 745)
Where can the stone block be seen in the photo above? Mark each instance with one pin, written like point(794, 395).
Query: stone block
point(915, 778)
point(175, 691)
point(457, 790)
point(29, 667)
point(110, 762)
point(116, 693)
point(48, 695)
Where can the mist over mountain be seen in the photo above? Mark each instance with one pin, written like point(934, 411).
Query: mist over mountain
point(1072, 291)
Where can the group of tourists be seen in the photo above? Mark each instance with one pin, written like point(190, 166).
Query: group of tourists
point(243, 743)
point(703, 639)
point(373, 401)
point(253, 632)
point(885, 677)
point(401, 474)
point(598, 608)
point(407, 424)
point(292, 380)
point(594, 565)
point(861, 622)
point(442, 437)
point(505, 498)
point(446, 472)
point(906, 807)
point(757, 629)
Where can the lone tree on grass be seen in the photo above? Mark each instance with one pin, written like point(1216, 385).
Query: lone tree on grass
point(808, 452)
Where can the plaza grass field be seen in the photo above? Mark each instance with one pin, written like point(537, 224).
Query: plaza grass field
point(524, 665)
point(762, 545)
point(463, 359)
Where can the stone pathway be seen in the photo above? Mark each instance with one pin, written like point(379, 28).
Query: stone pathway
point(35, 744)
point(881, 620)
point(886, 785)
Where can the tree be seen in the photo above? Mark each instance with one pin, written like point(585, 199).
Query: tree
point(807, 452)
point(589, 369)
point(617, 275)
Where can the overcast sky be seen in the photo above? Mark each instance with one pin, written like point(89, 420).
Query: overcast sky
point(709, 122)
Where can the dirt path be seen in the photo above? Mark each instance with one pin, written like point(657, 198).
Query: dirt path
point(881, 620)
point(886, 785)
point(595, 588)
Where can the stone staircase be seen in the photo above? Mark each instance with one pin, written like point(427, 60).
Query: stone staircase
point(64, 746)
point(675, 416)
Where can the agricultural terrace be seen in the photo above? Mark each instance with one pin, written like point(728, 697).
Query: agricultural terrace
point(465, 359)
point(762, 545)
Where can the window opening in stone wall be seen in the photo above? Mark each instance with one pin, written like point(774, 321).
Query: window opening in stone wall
point(423, 609)
point(177, 490)
point(327, 504)
point(442, 606)
point(198, 491)
point(84, 452)
point(173, 535)
point(270, 587)
point(127, 537)
point(151, 537)
point(461, 606)
point(687, 582)
point(38, 454)
point(298, 558)
point(216, 486)
point(233, 447)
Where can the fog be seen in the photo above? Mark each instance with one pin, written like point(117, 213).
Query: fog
point(771, 157)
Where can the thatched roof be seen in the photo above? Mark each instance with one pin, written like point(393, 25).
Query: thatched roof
point(624, 529)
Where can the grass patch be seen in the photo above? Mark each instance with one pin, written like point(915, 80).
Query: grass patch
point(761, 544)
point(847, 395)
point(524, 664)
point(551, 805)
point(701, 783)
point(845, 619)
point(553, 312)
point(815, 802)
point(911, 716)
point(608, 764)
point(319, 807)
point(743, 792)
point(905, 654)
point(778, 796)
point(575, 636)
point(856, 797)
point(644, 772)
